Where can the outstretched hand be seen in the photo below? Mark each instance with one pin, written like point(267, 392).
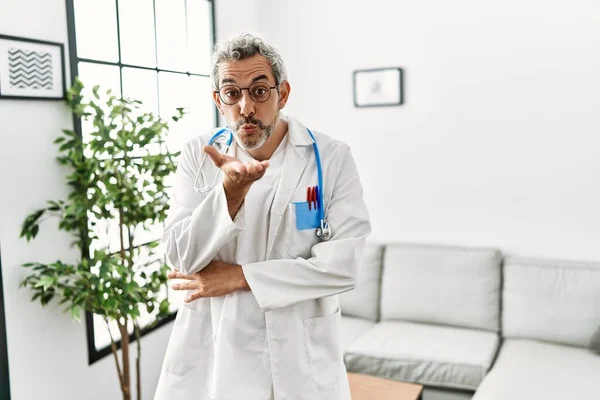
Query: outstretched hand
point(237, 174)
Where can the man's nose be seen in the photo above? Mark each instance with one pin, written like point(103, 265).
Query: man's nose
point(246, 105)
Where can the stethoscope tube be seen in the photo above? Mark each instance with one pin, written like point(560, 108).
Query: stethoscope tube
point(219, 133)
point(212, 140)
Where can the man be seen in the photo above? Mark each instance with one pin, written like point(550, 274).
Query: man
point(261, 319)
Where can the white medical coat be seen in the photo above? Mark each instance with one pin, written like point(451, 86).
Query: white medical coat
point(296, 286)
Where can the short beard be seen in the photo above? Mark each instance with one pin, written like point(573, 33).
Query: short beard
point(265, 132)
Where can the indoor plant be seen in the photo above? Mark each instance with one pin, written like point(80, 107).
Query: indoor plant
point(117, 175)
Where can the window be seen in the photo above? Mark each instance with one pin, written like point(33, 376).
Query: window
point(155, 51)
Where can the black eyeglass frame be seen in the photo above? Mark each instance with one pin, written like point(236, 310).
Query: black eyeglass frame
point(218, 91)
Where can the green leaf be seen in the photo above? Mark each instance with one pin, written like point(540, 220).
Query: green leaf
point(46, 282)
point(30, 227)
point(163, 307)
point(111, 303)
point(76, 313)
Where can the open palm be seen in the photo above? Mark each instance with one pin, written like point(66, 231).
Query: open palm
point(236, 172)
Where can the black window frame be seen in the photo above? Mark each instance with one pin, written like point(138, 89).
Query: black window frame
point(93, 353)
point(4, 372)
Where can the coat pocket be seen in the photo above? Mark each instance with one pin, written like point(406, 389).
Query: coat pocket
point(323, 338)
point(300, 229)
point(190, 337)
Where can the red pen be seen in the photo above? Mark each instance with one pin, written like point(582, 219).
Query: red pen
point(309, 196)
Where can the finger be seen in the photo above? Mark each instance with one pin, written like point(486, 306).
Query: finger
point(258, 166)
point(191, 285)
point(250, 169)
point(260, 175)
point(178, 275)
point(216, 157)
point(265, 164)
point(194, 296)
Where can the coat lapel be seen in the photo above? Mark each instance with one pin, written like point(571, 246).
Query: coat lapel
point(293, 167)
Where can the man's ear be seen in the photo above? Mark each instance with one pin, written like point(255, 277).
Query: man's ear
point(284, 94)
point(217, 101)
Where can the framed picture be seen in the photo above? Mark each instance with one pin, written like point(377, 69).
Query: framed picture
point(31, 69)
point(378, 87)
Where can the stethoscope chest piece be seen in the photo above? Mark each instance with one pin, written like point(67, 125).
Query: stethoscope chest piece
point(323, 232)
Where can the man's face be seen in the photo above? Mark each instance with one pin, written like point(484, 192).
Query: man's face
point(251, 121)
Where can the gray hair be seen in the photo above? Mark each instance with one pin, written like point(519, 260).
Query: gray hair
point(245, 45)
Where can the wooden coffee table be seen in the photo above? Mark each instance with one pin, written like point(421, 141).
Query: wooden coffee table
point(366, 387)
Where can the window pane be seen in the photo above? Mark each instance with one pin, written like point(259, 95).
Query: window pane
point(171, 34)
point(201, 117)
point(193, 93)
point(107, 76)
point(136, 22)
point(96, 29)
point(141, 84)
point(200, 35)
point(101, 336)
point(173, 91)
point(108, 236)
point(144, 236)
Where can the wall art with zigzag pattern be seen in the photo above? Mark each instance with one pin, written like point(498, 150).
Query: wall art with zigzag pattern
point(31, 69)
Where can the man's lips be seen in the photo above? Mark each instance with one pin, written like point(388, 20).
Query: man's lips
point(249, 129)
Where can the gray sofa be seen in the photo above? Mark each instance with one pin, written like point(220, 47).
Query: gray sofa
point(472, 323)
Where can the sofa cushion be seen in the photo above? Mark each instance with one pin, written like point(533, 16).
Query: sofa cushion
point(353, 328)
point(440, 356)
point(363, 300)
point(551, 300)
point(527, 369)
point(441, 284)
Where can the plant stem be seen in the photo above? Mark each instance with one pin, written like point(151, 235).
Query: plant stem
point(125, 361)
point(113, 348)
point(131, 249)
point(121, 235)
point(138, 369)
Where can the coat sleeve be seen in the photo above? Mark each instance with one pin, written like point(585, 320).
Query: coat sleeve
point(333, 265)
point(198, 224)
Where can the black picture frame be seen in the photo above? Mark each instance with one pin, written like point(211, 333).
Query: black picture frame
point(4, 376)
point(378, 87)
point(31, 69)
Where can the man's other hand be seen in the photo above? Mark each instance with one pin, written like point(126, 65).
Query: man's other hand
point(217, 279)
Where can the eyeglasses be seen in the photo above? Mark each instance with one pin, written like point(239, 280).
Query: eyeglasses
point(232, 94)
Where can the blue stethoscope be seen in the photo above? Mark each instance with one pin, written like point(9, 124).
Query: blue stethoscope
point(323, 231)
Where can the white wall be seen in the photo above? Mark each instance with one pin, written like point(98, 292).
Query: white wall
point(498, 143)
point(47, 351)
point(233, 16)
